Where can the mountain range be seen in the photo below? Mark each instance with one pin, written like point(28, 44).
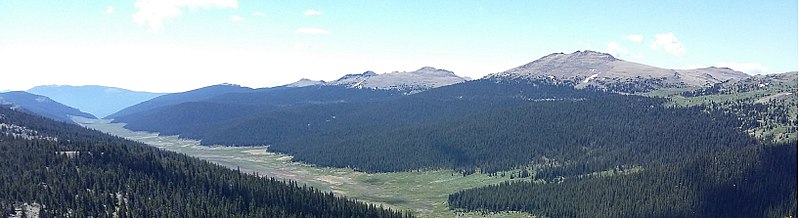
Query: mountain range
point(309, 118)
point(584, 123)
point(409, 82)
point(581, 69)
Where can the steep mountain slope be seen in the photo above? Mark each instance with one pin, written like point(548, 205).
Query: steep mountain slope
point(589, 69)
point(194, 119)
point(66, 170)
point(40, 105)
point(182, 97)
point(410, 82)
point(100, 101)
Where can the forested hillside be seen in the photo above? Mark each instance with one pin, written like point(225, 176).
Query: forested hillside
point(754, 181)
point(751, 179)
point(41, 106)
point(579, 135)
point(56, 170)
point(199, 118)
point(767, 103)
point(182, 97)
point(489, 124)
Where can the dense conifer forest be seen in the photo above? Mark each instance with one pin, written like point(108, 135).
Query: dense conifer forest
point(65, 170)
point(754, 181)
point(594, 134)
point(573, 152)
point(490, 125)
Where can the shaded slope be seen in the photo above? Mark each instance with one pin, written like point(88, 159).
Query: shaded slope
point(202, 118)
point(183, 97)
point(40, 105)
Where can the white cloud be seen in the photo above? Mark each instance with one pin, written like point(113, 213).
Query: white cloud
point(312, 13)
point(615, 49)
point(109, 10)
point(635, 38)
point(750, 68)
point(311, 30)
point(236, 18)
point(669, 43)
point(153, 13)
point(258, 14)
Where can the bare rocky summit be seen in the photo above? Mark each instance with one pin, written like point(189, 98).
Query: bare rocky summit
point(590, 69)
point(407, 81)
point(305, 82)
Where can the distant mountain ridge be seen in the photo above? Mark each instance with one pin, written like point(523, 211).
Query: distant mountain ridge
point(590, 69)
point(305, 82)
point(182, 97)
point(409, 82)
point(100, 101)
point(40, 105)
point(308, 118)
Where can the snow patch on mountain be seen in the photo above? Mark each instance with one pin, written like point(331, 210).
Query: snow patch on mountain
point(586, 80)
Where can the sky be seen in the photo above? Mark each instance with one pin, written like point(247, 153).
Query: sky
point(179, 45)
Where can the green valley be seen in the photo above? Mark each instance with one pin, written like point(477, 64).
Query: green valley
point(424, 192)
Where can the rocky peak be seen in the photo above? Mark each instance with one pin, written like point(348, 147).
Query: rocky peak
point(603, 71)
point(436, 72)
point(355, 75)
point(407, 81)
point(305, 82)
point(587, 57)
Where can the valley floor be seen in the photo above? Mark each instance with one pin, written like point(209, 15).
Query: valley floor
point(423, 192)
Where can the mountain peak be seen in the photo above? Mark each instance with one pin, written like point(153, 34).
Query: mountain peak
point(435, 72)
point(593, 54)
point(228, 84)
point(408, 81)
point(369, 73)
point(305, 82)
point(426, 69)
point(582, 56)
point(564, 65)
point(601, 70)
point(355, 75)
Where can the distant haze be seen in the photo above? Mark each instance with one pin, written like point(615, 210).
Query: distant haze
point(100, 101)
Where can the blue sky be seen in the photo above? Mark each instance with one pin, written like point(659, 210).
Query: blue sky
point(178, 45)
